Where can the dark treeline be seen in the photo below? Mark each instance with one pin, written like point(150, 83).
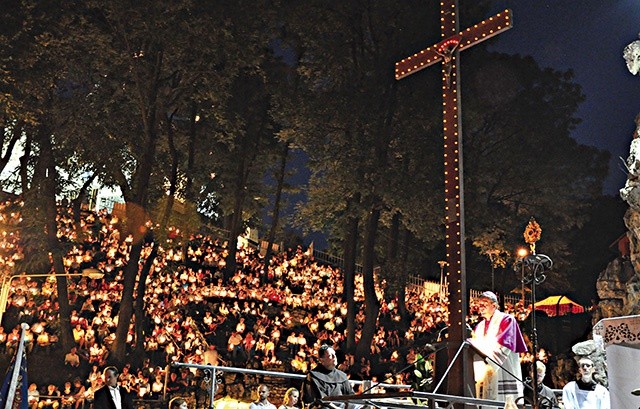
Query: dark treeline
point(204, 104)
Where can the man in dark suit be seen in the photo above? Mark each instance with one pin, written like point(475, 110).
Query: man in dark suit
point(111, 396)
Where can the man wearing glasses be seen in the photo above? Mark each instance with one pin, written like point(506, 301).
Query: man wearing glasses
point(585, 392)
point(497, 337)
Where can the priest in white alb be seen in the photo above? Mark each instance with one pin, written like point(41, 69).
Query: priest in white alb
point(497, 337)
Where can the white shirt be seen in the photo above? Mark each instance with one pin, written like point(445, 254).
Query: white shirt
point(115, 394)
point(575, 398)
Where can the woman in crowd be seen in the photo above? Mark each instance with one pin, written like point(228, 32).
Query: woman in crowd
point(290, 400)
point(178, 403)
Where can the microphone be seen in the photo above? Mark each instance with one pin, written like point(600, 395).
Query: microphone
point(427, 349)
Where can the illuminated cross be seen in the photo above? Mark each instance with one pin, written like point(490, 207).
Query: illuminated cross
point(448, 51)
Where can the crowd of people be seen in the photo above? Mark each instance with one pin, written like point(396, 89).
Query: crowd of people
point(262, 318)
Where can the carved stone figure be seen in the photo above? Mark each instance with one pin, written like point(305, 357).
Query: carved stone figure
point(630, 192)
point(631, 54)
point(619, 285)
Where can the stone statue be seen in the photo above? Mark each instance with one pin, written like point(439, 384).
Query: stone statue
point(631, 54)
point(631, 191)
point(619, 284)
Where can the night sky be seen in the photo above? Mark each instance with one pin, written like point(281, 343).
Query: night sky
point(586, 36)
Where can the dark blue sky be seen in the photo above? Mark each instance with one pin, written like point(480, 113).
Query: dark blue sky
point(587, 36)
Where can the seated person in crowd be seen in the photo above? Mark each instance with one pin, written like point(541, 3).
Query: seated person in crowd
point(72, 358)
point(33, 396)
point(51, 398)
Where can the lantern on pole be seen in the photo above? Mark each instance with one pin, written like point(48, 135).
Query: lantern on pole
point(532, 234)
point(533, 267)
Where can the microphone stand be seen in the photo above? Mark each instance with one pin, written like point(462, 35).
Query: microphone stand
point(406, 368)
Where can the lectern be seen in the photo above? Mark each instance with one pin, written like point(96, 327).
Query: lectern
point(620, 338)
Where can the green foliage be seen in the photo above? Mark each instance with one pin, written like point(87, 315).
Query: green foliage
point(520, 160)
point(379, 142)
point(184, 217)
point(111, 81)
point(362, 141)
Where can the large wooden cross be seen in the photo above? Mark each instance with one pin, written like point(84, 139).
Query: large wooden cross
point(447, 51)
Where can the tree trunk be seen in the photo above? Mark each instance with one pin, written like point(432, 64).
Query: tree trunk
point(136, 198)
point(48, 198)
point(66, 333)
point(173, 178)
point(191, 153)
point(24, 164)
point(350, 245)
point(141, 318)
point(275, 216)
point(392, 255)
point(119, 346)
point(249, 145)
point(235, 220)
point(402, 290)
point(372, 305)
point(234, 230)
point(15, 137)
point(76, 205)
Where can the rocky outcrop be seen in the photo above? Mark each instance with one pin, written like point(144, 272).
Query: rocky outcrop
point(618, 290)
point(619, 285)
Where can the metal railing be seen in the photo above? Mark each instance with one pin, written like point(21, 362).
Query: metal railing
point(332, 260)
point(425, 287)
point(273, 374)
point(508, 299)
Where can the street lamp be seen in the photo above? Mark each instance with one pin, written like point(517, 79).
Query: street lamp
point(536, 265)
point(5, 283)
point(522, 253)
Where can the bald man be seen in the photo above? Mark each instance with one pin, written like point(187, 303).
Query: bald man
point(325, 380)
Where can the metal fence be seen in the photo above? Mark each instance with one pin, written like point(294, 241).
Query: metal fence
point(332, 260)
point(508, 299)
point(423, 287)
point(273, 374)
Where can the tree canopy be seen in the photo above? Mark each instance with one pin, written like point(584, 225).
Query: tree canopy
point(197, 101)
